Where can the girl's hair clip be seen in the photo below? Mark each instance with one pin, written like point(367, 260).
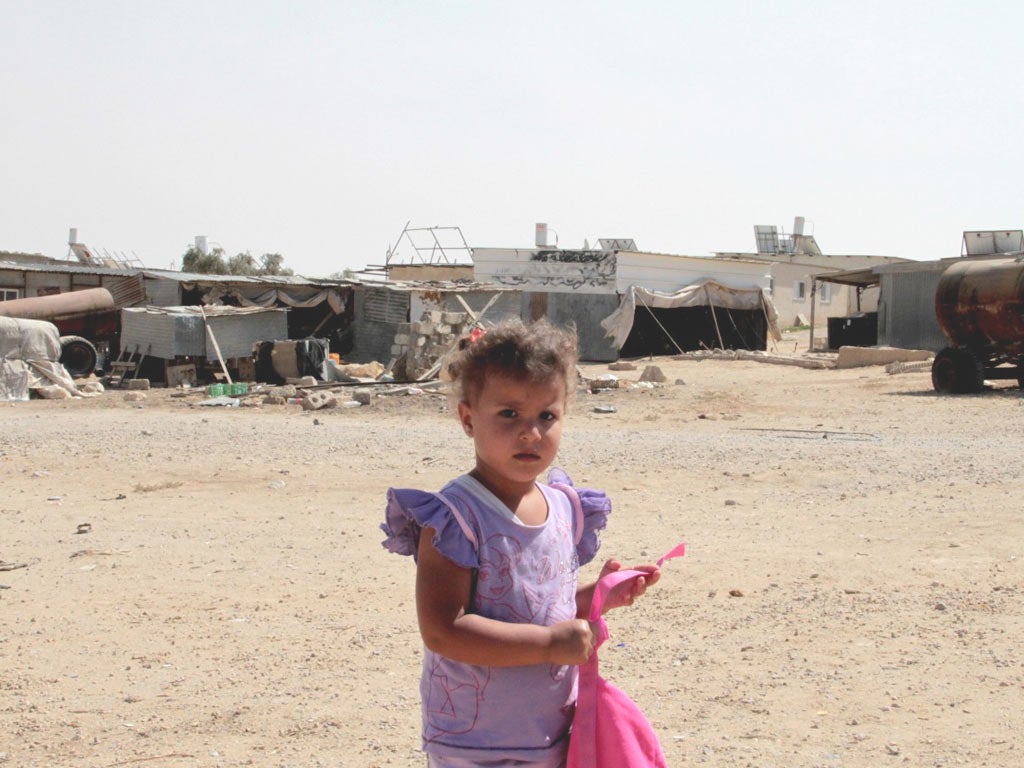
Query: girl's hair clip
point(476, 334)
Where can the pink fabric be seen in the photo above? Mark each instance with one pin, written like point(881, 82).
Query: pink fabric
point(609, 730)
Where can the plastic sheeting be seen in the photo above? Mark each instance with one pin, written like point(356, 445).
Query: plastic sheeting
point(620, 322)
point(30, 359)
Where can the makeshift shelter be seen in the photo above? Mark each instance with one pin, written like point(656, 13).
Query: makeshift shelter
point(30, 359)
point(706, 314)
point(320, 308)
point(203, 335)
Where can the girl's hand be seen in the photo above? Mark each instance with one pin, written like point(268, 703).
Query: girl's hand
point(625, 593)
point(572, 642)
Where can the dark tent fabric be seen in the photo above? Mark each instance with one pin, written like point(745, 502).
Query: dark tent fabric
point(706, 314)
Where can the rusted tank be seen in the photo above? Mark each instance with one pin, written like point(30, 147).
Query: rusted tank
point(59, 306)
point(979, 305)
point(83, 318)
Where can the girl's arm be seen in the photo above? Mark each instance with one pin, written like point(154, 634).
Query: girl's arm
point(442, 603)
point(622, 594)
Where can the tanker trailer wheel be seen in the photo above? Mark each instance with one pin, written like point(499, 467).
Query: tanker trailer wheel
point(77, 355)
point(958, 371)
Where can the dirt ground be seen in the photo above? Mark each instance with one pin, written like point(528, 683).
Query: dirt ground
point(206, 586)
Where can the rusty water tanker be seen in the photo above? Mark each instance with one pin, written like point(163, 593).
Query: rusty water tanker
point(979, 304)
point(83, 318)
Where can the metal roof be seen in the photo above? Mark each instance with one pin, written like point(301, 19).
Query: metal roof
point(72, 267)
point(77, 268)
point(198, 277)
point(859, 277)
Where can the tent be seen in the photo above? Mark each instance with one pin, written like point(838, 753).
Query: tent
point(705, 314)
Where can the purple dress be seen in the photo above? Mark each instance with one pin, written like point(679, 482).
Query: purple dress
point(524, 574)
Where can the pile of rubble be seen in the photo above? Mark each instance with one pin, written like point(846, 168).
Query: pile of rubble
point(419, 346)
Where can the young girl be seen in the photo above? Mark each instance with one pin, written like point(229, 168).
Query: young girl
point(497, 595)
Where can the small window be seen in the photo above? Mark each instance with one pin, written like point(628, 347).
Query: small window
point(9, 294)
point(799, 290)
point(826, 293)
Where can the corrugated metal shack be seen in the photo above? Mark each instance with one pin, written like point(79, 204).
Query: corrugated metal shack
point(906, 303)
point(24, 280)
point(169, 333)
point(320, 308)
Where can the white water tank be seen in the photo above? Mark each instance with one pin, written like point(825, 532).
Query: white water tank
point(201, 244)
point(541, 235)
point(73, 236)
point(798, 225)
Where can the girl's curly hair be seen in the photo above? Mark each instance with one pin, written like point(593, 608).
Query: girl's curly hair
point(533, 353)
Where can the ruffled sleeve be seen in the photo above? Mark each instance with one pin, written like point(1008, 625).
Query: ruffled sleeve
point(409, 511)
point(596, 508)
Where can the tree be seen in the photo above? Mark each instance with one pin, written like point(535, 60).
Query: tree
point(273, 264)
point(211, 263)
point(214, 263)
point(242, 264)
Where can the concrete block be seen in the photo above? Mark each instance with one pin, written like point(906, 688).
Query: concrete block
point(318, 399)
point(288, 390)
point(856, 357)
point(138, 383)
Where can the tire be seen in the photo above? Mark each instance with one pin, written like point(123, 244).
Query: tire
point(957, 371)
point(78, 355)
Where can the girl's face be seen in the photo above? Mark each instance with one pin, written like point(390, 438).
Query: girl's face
point(516, 427)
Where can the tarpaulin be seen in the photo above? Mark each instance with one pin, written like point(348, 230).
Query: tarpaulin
point(30, 358)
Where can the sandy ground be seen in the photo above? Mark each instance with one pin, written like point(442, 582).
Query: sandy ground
point(851, 596)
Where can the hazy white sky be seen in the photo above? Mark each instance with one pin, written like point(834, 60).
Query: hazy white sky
point(318, 129)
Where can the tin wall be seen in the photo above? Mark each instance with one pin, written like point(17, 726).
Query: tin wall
point(906, 310)
point(170, 335)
